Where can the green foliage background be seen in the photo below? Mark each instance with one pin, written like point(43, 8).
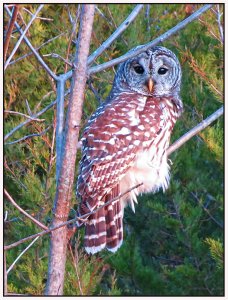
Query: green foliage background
point(173, 244)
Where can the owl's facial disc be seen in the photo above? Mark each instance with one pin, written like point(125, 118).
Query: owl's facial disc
point(155, 72)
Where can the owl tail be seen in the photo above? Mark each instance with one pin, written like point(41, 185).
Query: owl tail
point(104, 228)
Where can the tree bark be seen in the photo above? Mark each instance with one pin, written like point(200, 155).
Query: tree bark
point(58, 245)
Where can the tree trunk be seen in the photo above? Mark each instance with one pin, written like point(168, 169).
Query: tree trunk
point(58, 244)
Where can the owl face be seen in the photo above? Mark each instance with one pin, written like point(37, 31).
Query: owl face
point(155, 72)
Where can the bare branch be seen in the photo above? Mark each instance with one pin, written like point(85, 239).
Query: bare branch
point(24, 115)
point(187, 136)
point(103, 16)
point(41, 61)
point(20, 255)
point(82, 218)
point(24, 212)
point(72, 33)
point(115, 34)
point(59, 126)
point(55, 55)
point(219, 15)
point(29, 136)
point(159, 39)
point(10, 29)
point(28, 11)
point(38, 48)
point(29, 120)
point(34, 116)
point(207, 211)
point(22, 36)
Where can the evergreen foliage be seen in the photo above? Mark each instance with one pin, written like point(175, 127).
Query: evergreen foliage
point(173, 244)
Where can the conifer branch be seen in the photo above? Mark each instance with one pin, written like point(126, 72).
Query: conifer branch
point(22, 36)
point(10, 199)
point(75, 263)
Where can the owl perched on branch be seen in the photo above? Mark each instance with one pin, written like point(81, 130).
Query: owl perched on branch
point(125, 143)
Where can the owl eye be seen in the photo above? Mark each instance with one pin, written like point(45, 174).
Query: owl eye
point(139, 69)
point(162, 71)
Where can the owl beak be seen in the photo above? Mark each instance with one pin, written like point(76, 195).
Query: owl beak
point(150, 84)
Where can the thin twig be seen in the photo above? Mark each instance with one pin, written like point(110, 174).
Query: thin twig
point(207, 211)
point(29, 120)
point(82, 218)
point(103, 16)
point(39, 58)
point(24, 115)
point(95, 92)
point(159, 39)
point(147, 16)
point(76, 269)
point(116, 34)
point(10, 29)
point(28, 107)
point(219, 15)
point(38, 48)
point(29, 136)
point(28, 11)
point(55, 55)
point(20, 255)
point(34, 116)
point(24, 212)
point(22, 36)
point(72, 35)
point(188, 135)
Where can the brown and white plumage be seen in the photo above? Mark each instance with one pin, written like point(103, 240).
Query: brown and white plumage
point(125, 143)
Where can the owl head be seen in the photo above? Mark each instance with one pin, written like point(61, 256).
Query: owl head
point(155, 72)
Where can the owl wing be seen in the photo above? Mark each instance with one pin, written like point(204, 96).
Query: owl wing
point(114, 136)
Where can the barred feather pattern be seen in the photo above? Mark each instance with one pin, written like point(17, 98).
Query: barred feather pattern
point(124, 144)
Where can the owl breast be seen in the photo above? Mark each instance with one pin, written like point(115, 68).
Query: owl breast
point(150, 167)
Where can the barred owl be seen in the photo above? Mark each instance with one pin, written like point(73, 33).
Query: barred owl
point(125, 143)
